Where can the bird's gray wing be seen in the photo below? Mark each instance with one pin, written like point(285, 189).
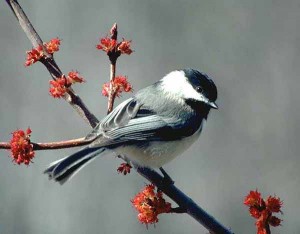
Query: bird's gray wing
point(120, 116)
point(131, 122)
point(143, 129)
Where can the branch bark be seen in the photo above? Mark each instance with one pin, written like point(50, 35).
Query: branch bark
point(113, 56)
point(71, 97)
point(111, 96)
point(185, 203)
point(53, 145)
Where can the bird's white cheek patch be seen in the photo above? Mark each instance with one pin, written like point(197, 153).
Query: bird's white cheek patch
point(176, 84)
point(189, 92)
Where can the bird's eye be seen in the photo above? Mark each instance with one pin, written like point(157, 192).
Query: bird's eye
point(199, 89)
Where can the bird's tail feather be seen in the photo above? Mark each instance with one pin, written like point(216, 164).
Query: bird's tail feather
point(64, 169)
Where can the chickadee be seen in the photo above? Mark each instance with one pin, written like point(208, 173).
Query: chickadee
point(159, 123)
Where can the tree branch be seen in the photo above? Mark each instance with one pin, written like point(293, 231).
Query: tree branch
point(113, 56)
point(185, 203)
point(61, 144)
point(4, 145)
point(25, 24)
point(53, 145)
point(111, 96)
point(71, 97)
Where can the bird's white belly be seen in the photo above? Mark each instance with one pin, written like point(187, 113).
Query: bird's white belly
point(158, 153)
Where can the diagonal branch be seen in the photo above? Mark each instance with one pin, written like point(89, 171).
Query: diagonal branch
point(71, 97)
point(25, 24)
point(184, 202)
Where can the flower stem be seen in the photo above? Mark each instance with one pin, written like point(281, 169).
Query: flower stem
point(112, 95)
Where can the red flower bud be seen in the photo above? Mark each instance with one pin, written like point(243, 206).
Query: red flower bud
point(59, 87)
point(124, 47)
point(53, 45)
point(107, 44)
point(37, 53)
point(74, 77)
point(114, 31)
point(150, 204)
point(253, 198)
point(262, 211)
point(124, 168)
point(119, 84)
point(34, 55)
point(21, 148)
point(274, 204)
point(254, 212)
point(274, 221)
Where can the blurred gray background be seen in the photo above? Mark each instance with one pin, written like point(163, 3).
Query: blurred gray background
point(250, 48)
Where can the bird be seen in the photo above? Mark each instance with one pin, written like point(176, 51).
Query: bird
point(151, 128)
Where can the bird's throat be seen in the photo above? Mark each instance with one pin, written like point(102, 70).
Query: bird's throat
point(199, 107)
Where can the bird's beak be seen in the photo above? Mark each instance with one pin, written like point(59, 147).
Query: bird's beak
point(209, 103)
point(213, 105)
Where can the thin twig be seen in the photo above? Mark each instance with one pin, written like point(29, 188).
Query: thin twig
point(71, 97)
point(4, 145)
point(113, 56)
point(26, 25)
point(53, 145)
point(111, 96)
point(61, 144)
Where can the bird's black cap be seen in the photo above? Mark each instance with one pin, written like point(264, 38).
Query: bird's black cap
point(197, 79)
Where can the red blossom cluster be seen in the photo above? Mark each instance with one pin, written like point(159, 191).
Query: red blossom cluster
point(21, 148)
point(107, 44)
point(61, 84)
point(111, 46)
point(124, 47)
point(74, 77)
point(150, 204)
point(262, 210)
point(124, 168)
point(53, 45)
point(119, 84)
point(34, 55)
point(37, 53)
point(58, 87)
